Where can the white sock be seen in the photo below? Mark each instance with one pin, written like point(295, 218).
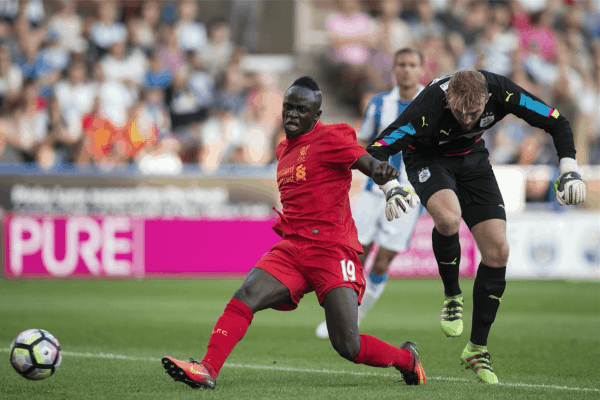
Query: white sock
point(373, 291)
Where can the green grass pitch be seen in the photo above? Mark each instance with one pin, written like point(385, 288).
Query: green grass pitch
point(545, 342)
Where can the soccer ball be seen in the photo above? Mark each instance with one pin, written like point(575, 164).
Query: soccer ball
point(35, 354)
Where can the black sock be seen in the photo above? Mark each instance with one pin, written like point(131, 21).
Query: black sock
point(447, 255)
point(487, 291)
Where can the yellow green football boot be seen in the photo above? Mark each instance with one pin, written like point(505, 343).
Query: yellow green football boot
point(477, 359)
point(451, 320)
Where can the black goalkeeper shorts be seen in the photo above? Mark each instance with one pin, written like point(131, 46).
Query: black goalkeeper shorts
point(470, 176)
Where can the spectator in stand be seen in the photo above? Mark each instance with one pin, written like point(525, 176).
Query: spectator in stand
point(187, 108)
point(391, 34)
point(7, 39)
point(68, 26)
point(191, 35)
point(496, 44)
point(114, 97)
point(577, 38)
point(106, 30)
point(427, 23)
point(474, 21)
point(454, 14)
point(171, 55)
point(245, 16)
point(75, 97)
point(11, 77)
point(27, 125)
point(202, 84)
point(592, 19)
point(148, 24)
point(260, 117)
point(29, 42)
point(438, 58)
point(99, 144)
point(488, 52)
point(225, 130)
point(126, 68)
point(147, 140)
point(218, 51)
point(55, 58)
point(8, 153)
point(59, 145)
point(456, 47)
point(161, 154)
point(349, 50)
point(157, 76)
point(536, 36)
point(33, 10)
point(9, 9)
point(590, 106)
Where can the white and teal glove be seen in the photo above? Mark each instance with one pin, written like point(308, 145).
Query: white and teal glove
point(398, 199)
point(568, 187)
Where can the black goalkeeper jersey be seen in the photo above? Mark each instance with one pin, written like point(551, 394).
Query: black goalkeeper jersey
point(428, 127)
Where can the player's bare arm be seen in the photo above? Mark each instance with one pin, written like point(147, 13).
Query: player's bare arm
point(380, 171)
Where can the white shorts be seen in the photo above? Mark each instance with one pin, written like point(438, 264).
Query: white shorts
point(372, 226)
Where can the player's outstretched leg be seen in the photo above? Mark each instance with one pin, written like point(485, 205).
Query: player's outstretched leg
point(447, 254)
point(228, 331)
point(377, 353)
point(341, 313)
point(417, 375)
point(451, 320)
point(259, 291)
point(192, 373)
point(477, 359)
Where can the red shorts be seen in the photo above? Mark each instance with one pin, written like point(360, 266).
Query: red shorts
point(304, 265)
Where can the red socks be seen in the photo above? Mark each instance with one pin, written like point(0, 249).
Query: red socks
point(377, 353)
point(232, 325)
point(229, 330)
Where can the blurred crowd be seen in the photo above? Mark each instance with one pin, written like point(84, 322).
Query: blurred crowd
point(145, 82)
point(111, 82)
point(549, 47)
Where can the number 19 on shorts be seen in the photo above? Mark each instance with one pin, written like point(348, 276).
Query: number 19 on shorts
point(348, 270)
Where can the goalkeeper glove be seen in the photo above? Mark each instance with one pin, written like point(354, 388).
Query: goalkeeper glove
point(398, 198)
point(568, 187)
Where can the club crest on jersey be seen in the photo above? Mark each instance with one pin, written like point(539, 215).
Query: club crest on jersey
point(303, 151)
point(485, 121)
point(301, 173)
point(424, 174)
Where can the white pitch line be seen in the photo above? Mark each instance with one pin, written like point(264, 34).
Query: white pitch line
point(320, 371)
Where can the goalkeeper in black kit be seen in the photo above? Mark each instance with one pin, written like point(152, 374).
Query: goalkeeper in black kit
point(447, 163)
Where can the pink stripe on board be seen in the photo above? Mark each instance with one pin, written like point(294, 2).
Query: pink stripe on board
point(211, 247)
point(119, 246)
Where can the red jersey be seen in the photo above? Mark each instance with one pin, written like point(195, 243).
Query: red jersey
point(314, 176)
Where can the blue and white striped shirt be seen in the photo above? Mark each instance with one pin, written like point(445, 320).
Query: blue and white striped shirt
point(383, 109)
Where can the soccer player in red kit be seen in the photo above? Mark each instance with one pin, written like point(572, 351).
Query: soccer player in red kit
point(319, 250)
